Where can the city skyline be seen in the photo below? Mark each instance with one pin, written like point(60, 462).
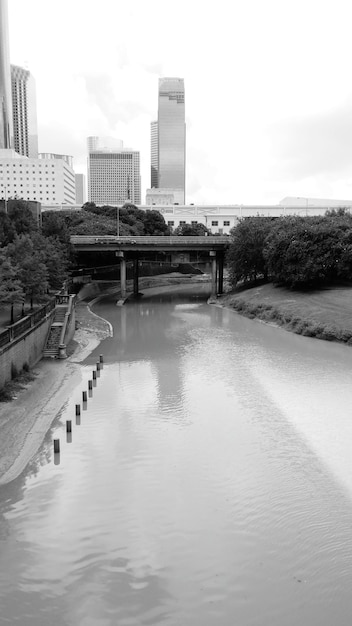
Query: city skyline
point(268, 100)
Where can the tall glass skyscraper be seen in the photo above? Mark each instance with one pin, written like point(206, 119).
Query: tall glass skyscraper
point(154, 156)
point(171, 134)
point(24, 109)
point(6, 126)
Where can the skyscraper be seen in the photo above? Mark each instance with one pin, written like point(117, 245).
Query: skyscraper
point(24, 112)
point(6, 126)
point(113, 173)
point(80, 188)
point(154, 156)
point(171, 134)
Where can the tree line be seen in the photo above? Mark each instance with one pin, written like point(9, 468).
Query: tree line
point(292, 251)
point(35, 261)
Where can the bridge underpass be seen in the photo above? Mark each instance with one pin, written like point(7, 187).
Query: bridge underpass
point(130, 249)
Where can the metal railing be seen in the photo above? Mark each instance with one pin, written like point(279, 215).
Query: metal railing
point(22, 326)
point(167, 240)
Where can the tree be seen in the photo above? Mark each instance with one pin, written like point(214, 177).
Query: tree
point(192, 230)
point(32, 271)
point(305, 252)
point(11, 291)
point(245, 255)
point(154, 223)
point(55, 256)
point(21, 217)
point(54, 225)
point(7, 229)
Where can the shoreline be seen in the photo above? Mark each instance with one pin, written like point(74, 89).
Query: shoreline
point(321, 314)
point(25, 420)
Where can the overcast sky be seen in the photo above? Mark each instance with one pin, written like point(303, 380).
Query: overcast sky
point(268, 87)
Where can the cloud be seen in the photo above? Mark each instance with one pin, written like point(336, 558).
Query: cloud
point(314, 145)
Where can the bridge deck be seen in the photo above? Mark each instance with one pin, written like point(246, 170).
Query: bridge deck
point(151, 243)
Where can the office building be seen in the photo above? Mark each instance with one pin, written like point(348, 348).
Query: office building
point(154, 156)
point(45, 180)
point(24, 110)
point(164, 196)
point(113, 173)
point(6, 125)
point(170, 131)
point(80, 188)
point(95, 144)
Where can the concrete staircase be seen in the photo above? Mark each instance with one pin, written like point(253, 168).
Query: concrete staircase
point(51, 349)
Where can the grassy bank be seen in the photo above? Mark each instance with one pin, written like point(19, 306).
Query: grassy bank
point(325, 314)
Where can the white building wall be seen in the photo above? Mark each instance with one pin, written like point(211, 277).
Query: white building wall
point(43, 180)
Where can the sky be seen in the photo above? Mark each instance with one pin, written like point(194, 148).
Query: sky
point(268, 90)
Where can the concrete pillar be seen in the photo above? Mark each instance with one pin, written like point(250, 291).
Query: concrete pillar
point(221, 274)
point(135, 276)
point(122, 273)
point(212, 253)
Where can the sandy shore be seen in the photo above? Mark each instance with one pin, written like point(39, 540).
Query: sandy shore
point(25, 421)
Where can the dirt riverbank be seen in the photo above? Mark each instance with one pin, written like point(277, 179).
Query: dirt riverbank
point(324, 314)
point(25, 420)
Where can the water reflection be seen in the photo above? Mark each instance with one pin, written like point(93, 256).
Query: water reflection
point(202, 487)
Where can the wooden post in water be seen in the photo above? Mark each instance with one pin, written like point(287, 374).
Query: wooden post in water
point(68, 426)
point(101, 358)
point(84, 396)
point(98, 366)
point(78, 409)
point(56, 446)
point(94, 375)
point(90, 385)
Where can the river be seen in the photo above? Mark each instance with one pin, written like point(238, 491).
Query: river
point(207, 482)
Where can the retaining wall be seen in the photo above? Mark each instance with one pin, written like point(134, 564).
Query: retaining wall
point(27, 348)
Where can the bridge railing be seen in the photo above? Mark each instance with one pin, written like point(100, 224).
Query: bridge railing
point(166, 240)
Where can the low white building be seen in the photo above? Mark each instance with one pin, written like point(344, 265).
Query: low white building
point(46, 180)
point(164, 195)
point(219, 219)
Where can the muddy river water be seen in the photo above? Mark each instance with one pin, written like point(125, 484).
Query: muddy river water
point(207, 482)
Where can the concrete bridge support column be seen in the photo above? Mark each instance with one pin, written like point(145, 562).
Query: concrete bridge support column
point(135, 276)
point(212, 254)
point(221, 274)
point(122, 273)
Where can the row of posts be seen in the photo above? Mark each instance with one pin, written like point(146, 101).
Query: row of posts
point(95, 373)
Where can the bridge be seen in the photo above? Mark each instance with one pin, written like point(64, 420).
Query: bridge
point(127, 248)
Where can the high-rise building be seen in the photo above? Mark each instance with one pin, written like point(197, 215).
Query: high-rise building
point(154, 156)
point(46, 180)
point(103, 143)
point(24, 109)
point(80, 188)
point(6, 125)
point(113, 173)
point(171, 133)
